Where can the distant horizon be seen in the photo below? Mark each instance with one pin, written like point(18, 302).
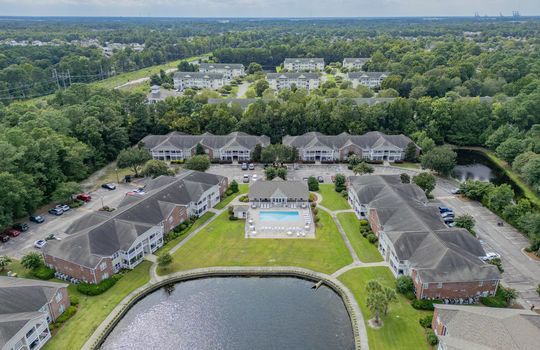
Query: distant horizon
point(276, 17)
point(270, 8)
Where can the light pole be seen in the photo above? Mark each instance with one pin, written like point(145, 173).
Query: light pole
point(117, 179)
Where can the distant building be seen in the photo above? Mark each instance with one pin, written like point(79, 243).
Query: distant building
point(27, 308)
point(356, 63)
point(180, 146)
point(444, 263)
point(189, 80)
point(302, 64)
point(229, 70)
point(159, 94)
point(280, 81)
point(374, 145)
point(102, 243)
point(369, 79)
point(485, 328)
point(278, 192)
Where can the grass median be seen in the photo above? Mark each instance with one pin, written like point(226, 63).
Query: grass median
point(223, 243)
point(400, 329)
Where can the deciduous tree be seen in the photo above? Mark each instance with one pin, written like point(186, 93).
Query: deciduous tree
point(425, 181)
point(133, 158)
point(199, 163)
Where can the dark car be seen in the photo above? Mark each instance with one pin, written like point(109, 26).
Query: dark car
point(445, 210)
point(320, 178)
point(4, 237)
point(56, 211)
point(110, 187)
point(23, 226)
point(84, 197)
point(12, 232)
point(37, 219)
point(251, 166)
point(244, 166)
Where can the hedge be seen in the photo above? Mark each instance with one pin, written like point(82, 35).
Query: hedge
point(66, 315)
point(74, 300)
point(424, 304)
point(425, 320)
point(96, 289)
point(431, 337)
point(43, 272)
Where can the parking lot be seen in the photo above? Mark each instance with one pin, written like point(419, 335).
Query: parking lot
point(18, 246)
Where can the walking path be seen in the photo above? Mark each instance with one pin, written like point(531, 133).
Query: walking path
point(356, 265)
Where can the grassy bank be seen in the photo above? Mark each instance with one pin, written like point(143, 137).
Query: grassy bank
point(94, 309)
point(223, 243)
point(243, 189)
point(200, 221)
point(400, 329)
point(331, 199)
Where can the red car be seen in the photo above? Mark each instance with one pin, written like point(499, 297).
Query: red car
point(84, 197)
point(4, 237)
point(13, 232)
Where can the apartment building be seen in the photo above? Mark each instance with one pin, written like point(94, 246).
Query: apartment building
point(303, 64)
point(280, 81)
point(229, 70)
point(354, 63)
point(369, 79)
point(199, 80)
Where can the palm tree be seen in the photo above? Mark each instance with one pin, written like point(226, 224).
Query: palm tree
point(391, 297)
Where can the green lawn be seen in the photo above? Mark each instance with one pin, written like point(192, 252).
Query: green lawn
point(331, 199)
point(222, 243)
point(93, 310)
point(407, 165)
point(400, 329)
point(243, 189)
point(366, 251)
point(200, 221)
point(16, 267)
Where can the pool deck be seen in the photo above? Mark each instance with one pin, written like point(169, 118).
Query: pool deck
point(255, 228)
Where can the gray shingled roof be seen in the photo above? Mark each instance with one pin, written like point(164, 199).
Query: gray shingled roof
point(489, 328)
point(357, 60)
point(102, 233)
point(183, 141)
point(197, 75)
point(418, 232)
point(291, 189)
point(303, 60)
point(21, 299)
point(291, 75)
point(356, 75)
point(372, 139)
point(221, 66)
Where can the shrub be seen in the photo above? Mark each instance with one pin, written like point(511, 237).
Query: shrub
point(244, 198)
point(97, 289)
point(70, 311)
point(313, 205)
point(425, 321)
point(344, 194)
point(538, 289)
point(404, 284)
point(371, 238)
point(424, 304)
point(312, 197)
point(364, 222)
point(231, 210)
point(313, 184)
point(410, 295)
point(233, 186)
point(229, 192)
point(497, 262)
point(74, 300)
point(315, 211)
point(494, 301)
point(431, 337)
point(316, 219)
point(43, 272)
point(233, 218)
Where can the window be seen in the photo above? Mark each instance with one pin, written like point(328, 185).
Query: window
point(480, 283)
point(170, 219)
point(494, 283)
point(103, 266)
point(426, 285)
point(105, 276)
point(61, 308)
point(439, 285)
point(438, 296)
point(58, 297)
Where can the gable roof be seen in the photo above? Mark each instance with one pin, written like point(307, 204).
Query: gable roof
point(367, 75)
point(12, 323)
point(267, 189)
point(303, 60)
point(418, 233)
point(481, 327)
point(101, 234)
point(178, 140)
point(292, 75)
point(357, 60)
point(197, 75)
point(221, 66)
point(372, 139)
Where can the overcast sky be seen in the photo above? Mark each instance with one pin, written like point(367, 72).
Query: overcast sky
point(267, 8)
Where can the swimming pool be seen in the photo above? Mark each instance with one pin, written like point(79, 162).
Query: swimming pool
point(282, 216)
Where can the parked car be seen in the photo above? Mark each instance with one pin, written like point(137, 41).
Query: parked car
point(56, 211)
point(244, 166)
point(12, 232)
point(305, 178)
point(254, 177)
point(37, 219)
point(139, 190)
point(296, 166)
point(320, 178)
point(251, 166)
point(445, 210)
point(451, 224)
point(448, 214)
point(455, 191)
point(490, 256)
point(22, 226)
point(84, 197)
point(449, 221)
point(64, 207)
point(110, 187)
point(246, 179)
point(40, 243)
point(4, 237)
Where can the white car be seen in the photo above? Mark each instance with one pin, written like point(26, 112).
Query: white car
point(246, 179)
point(490, 256)
point(254, 177)
point(455, 191)
point(40, 243)
point(63, 207)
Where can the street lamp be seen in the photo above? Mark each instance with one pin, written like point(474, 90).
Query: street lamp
point(117, 179)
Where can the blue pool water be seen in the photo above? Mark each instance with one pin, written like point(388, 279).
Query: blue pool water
point(283, 216)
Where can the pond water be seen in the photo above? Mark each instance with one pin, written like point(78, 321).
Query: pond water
point(236, 313)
